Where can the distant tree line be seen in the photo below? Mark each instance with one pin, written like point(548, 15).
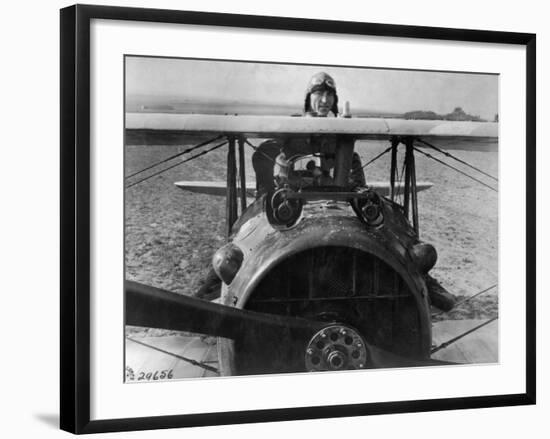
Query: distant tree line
point(457, 114)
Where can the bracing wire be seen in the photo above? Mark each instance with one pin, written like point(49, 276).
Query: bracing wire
point(466, 300)
point(458, 337)
point(188, 150)
point(377, 157)
point(180, 357)
point(456, 169)
point(448, 154)
point(451, 341)
point(219, 145)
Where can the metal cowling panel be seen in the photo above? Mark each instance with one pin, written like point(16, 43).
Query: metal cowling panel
point(344, 232)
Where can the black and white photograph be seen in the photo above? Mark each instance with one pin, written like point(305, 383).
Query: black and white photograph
point(289, 218)
point(275, 219)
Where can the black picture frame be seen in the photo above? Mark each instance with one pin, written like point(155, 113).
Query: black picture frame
point(75, 217)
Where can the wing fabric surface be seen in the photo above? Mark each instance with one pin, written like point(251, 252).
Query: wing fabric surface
point(219, 188)
point(277, 126)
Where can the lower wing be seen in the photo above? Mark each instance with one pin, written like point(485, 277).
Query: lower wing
point(219, 188)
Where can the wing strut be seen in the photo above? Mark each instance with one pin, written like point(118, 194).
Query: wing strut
point(414, 194)
point(394, 144)
point(231, 201)
point(242, 174)
point(410, 198)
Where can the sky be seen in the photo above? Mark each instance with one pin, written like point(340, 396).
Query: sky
point(374, 89)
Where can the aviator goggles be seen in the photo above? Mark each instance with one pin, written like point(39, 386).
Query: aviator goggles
point(320, 83)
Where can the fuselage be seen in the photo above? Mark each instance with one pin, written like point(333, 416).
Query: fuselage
point(330, 259)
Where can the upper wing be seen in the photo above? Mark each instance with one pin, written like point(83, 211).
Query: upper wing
point(277, 126)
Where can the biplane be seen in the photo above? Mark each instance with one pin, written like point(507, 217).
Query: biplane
point(317, 274)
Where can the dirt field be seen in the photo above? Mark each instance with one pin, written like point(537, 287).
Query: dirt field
point(171, 234)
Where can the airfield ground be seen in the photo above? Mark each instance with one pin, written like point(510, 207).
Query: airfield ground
point(171, 234)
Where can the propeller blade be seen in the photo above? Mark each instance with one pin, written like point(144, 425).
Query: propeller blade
point(156, 308)
point(381, 358)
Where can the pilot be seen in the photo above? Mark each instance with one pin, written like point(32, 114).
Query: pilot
point(320, 101)
point(321, 97)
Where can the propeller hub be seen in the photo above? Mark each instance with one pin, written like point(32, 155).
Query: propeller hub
point(336, 347)
point(336, 360)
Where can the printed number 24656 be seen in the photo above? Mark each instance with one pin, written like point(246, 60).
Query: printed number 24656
point(155, 375)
